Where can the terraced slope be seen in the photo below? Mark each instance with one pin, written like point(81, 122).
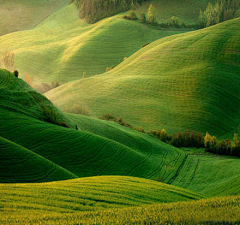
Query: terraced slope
point(25, 14)
point(18, 165)
point(210, 175)
point(80, 152)
point(63, 46)
point(183, 82)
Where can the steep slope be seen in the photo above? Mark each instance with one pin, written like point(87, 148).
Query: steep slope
point(79, 152)
point(18, 165)
point(183, 82)
point(25, 14)
point(64, 46)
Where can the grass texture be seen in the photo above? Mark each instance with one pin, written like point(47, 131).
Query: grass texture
point(184, 82)
point(80, 152)
point(64, 46)
point(25, 14)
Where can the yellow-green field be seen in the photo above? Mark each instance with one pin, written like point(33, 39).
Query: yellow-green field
point(64, 168)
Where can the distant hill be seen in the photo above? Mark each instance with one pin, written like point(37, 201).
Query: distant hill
point(63, 46)
point(183, 82)
point(25, 14)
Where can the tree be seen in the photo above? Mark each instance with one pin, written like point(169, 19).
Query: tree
point(8, 60)
point(84, 74)
point(132, 15)
point(151, 14)
point(143, 18)
point(207, 140)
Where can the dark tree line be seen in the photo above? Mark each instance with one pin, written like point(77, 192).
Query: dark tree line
point(223, 10)
point(95, 10)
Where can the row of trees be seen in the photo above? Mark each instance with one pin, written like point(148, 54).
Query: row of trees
point(95, 10)
point(223, 10)
point(223, 147)
point(187, 138)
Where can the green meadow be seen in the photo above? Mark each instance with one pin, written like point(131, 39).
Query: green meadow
point(182, 82)
point(58, 167)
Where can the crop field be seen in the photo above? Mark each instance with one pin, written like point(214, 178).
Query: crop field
point(182, 82)
point(220, 210)
point(27, 13)
point(64, 48)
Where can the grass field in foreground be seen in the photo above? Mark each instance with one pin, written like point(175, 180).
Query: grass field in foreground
point(89, 194)
point(22, 121)
point(25, 14)
point(224, 210)
point(64, 46)
point(184, 82)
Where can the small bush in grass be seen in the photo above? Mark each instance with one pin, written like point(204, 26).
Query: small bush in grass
point(117, 119)
point(84, 75)
point(146, 44)
point(109, 68)
point(132, 15)
point(16, 73)
point(140, 129)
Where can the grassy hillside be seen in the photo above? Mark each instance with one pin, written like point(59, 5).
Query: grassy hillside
point(64, 46)
point(187, 11)
point(210, 175)
point(89, 194)
point(18, 165)
point(183, 82)
point(79, 152)
point(25, 14)
point(224, 210)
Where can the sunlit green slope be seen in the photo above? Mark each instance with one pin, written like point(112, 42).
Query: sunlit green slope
point(80, 152)
point(18, 165)
point(64, 46)
point(184, 82)
point(210, 175)
point(25, 14)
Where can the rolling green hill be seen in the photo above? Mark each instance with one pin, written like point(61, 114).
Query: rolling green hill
point(25, 14)
point(64, 46)
point(23, 122)
point(18, 165)
point(183, 82)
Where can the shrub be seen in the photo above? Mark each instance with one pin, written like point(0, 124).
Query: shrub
point(173, 22)
point(109, 68)
point(16, 73)
point(140, 129)
point(146, 44)
point(132, 15)
point(117, 119)
point(84, 75)
point(151, 14)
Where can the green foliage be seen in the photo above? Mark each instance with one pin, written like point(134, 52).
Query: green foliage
point(16, 73)
point(223, 10)
point(151, 14)
point(93, 11)
point(132, 15)
point(173, 22)
point(117, 119)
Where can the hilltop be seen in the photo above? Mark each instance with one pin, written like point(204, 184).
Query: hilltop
point(64, 46)
point(183, 82)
